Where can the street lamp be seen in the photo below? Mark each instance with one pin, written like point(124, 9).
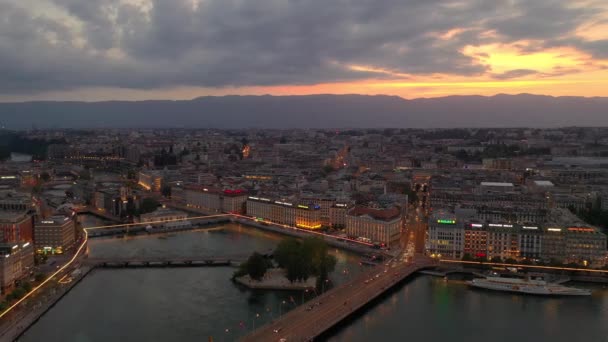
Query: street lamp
point(256, 316)
point(323, 286)
point(281, 308)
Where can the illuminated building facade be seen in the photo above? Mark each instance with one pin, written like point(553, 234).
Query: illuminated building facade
point(445, 237)
point(151, 180)
point(381, 226)
point(585, 245)
point(16, 260)
point(54, 235)
point(475, 240)
point(307, 216)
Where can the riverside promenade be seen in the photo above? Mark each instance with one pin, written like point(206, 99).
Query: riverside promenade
point(307, 322)
point(19, 325)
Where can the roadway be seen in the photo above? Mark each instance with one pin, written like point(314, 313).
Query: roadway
point(307, 322)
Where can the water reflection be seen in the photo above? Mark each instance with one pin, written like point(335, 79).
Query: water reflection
point(440, 311)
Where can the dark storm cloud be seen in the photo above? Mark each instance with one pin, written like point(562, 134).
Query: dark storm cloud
point(262, 42)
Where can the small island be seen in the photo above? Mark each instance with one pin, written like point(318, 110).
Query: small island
point(297, 265)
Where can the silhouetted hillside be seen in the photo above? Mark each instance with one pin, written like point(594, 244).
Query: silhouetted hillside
point(313, 111)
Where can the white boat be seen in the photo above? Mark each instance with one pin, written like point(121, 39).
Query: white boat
point(528, 285)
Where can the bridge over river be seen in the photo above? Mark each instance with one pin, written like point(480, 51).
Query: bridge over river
point(167, 261)
point(310, 321)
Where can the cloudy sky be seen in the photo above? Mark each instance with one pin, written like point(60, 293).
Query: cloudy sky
point(179, 49)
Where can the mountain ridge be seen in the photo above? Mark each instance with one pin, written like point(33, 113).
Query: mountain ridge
point(313, 111)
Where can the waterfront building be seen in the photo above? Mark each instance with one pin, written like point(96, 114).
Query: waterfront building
point(446, 236)
point(233, 201)
point(503, 241)
point(215, 200)
point(203, 198)
point(54, 235)
point(585, 245)
point(16, 226)
point(376, 225)
point(530, 241)
point(16, 261)
point(475, 240)
point(306, 216)
point(337, 215)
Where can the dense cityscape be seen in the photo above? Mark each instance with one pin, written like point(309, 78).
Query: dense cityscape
point(297, 171)
point(508, 197)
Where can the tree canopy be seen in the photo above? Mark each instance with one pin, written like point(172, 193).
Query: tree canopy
point(302, 259)
point(256, 267)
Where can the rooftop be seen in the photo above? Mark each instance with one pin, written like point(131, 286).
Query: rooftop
point(496, 184)
point(54, 220)
point(377, 214)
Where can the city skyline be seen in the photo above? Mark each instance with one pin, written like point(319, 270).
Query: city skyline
point(144, 49)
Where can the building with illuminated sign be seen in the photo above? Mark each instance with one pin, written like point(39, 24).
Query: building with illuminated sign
point(16, 260)
point(307, 216)
point(233, 201)
point(445, 236)
point(337, 215)
point(203, 198)
point(382, 226)
point(215, 200)
point(16, 226)
point(583, 245)
point(325, 202)
point(475, 240)
point(54, 235)
point(451, 236)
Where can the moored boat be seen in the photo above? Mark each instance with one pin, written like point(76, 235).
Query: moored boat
point(527, 285)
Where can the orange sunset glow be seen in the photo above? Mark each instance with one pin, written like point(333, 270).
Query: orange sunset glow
point(553, 48)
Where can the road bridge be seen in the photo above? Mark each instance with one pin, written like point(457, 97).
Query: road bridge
point(307, 322)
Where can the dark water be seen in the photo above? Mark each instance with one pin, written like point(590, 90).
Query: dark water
point(431, 309)
point(172, 304)
point(192, 304)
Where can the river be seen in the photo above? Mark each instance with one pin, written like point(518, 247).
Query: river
point(193, 304)
point(172, 304)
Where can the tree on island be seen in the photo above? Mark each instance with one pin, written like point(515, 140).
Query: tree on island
point(302, 259)
point(256, 267)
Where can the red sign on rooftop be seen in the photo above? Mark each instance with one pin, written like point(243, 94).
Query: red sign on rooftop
point(234, 192)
